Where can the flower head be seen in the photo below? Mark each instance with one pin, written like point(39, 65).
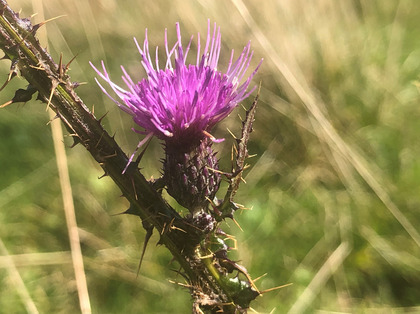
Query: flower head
point(180, 103)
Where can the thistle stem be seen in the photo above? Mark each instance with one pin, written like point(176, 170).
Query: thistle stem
point(54, 87)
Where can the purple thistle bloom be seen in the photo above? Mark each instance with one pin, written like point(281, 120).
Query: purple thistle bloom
point(181, 103)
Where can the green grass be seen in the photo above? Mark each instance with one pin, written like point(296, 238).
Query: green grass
point(336, 178)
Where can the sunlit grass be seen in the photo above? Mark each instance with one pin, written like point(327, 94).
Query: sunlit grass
point(334, 189)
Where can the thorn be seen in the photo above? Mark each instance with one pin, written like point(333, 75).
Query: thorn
point(236, 223)
point(258, 278)
point(217, 171)
point(242, 208)
point(232, 160)
point(235, 242)
point(176, 228)
point(227, 215)
point(76, 140)
point(239, 206)
point(181, 284)
point(13, 67)
point(117, 214)
point(54, 118)
point(102, 135)
point(66, 68)
point(6, 104)
point(60, 66)
point(51, 95)
point(100, 119)
point(134, 188)
point(12, 74)
point(163, 228)
point(41, 68)
point(110, 156)
point(149, 231)
point(75, 143)
point(231, 133)
point(37, 26)
point(211, 202)
point(102, 176)
point(130, 211)
point(172, 227)
point(235, 149)
point(276, 288)
point(77, 84)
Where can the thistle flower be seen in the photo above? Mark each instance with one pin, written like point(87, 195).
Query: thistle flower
point(180, 104)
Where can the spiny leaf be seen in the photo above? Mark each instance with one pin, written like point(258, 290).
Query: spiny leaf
point(24, 95)
point(246, 131)
point(228, 207)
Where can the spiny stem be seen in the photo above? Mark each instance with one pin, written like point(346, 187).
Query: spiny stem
point(54, 87)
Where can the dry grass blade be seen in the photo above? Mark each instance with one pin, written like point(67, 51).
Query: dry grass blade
point(34, 259)
point(396, 258)
point(318, 282)
point(66, 190)
point(76, 251)
point(17, 281)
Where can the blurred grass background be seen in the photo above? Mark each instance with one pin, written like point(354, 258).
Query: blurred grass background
point(334, 190)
